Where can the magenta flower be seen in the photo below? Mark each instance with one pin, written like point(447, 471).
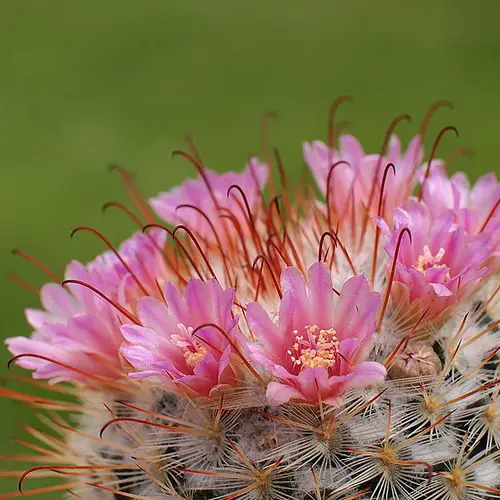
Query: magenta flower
point(76, 328)
point(209, 194)
point(475, 209)
point(167, 346)
point(442, 263)
point(361, 179)
point(316, 351)
point(79, 328)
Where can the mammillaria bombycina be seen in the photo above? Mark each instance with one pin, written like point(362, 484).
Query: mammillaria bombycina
point(277, 344)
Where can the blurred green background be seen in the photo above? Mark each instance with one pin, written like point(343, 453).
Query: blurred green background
point(83, 84)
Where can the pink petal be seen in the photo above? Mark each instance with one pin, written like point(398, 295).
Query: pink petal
point(320, 294)
point(441, 290)
point(294, 292)
point(140, 335)
point(261, 326)
point(57, 300)
point(365, 374)
point(278, 394)
point(153, 313)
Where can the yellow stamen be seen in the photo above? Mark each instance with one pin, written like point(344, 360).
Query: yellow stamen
point(317, 349)
point(194, 351)
point(194, 357)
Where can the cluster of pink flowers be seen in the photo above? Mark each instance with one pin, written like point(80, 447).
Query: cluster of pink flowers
point(440, 264)
point(129, 314)
point(453, 244)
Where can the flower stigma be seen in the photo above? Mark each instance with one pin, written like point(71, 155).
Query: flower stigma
point(428, 261)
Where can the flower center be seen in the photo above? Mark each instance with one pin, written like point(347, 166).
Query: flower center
point(194, 355)
point(193, 350)
point(316, 349)
point(428, 261)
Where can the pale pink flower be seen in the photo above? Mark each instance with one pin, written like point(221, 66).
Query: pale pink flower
point(81, 329)
point(209, 194)
point(76, 328)
point(140, 271)
point(166, 345)
point(359, 183)
point(440, 265)
point(317, 349)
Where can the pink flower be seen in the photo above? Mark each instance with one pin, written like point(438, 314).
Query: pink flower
point(475, 209)
point(76, 328)
point(442, 263)
point(364, 173)
point(142, 271)
point(316, 351)
point(213, 201)
point(167, 346)
point(79, 328)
